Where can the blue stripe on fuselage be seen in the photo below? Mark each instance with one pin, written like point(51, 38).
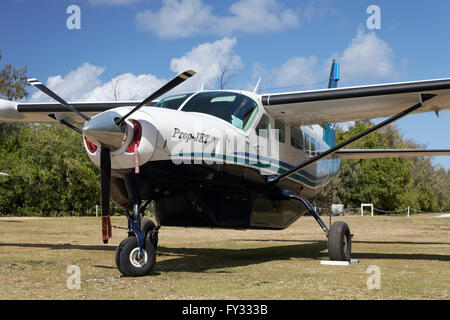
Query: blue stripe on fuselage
point(303, 176)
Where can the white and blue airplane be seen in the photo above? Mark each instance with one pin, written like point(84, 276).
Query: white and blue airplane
point(226, 158)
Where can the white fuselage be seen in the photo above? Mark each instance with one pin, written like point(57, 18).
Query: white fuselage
point(199, 138)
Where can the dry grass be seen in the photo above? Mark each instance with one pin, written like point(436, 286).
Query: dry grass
point(413, 255)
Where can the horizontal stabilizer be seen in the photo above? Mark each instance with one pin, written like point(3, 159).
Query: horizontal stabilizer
point(356, 154)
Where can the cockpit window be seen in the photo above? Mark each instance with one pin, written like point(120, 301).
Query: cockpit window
point(172, 102)
point(235, 108)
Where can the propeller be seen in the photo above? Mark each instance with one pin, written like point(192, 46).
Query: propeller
point(108, 132)
point(105, 159)
point(64, 122)
point(165, 88)
point(105, 190)
point(38, 85)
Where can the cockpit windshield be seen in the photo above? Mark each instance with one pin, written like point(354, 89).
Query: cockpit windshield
point(172, 102)
point(235, 108)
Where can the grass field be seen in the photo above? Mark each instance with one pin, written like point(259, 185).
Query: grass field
point(413, 256)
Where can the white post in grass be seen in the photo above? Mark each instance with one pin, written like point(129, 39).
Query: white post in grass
point(408, 212)
point(367, 205)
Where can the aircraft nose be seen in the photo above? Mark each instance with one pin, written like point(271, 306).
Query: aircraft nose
point(103, 131)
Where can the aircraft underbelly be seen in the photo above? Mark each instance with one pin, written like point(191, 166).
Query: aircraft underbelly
point(216, 196)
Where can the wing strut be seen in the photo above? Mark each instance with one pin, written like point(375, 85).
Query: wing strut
point(272, 180)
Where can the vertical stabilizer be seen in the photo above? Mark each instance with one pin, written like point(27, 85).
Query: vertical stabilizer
point(329, 133)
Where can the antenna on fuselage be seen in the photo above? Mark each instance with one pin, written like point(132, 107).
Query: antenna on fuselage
point(203, 86)
point(257, 85)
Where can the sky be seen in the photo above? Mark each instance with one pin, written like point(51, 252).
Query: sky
point(126, 49)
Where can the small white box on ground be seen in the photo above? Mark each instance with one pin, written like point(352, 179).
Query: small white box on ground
point(338, 263)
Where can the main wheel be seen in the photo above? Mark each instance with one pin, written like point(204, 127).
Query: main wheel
point(128, 261)
point(340, 242)
point(149, 228)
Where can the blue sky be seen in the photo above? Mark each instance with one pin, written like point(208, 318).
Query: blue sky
point(136, 45)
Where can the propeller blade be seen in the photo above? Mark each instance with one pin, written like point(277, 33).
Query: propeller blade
point(64, 122)
point(37, 84)
point(105, 185)
point(167, 87)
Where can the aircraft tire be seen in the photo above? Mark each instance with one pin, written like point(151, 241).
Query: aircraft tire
point(128, 258)
point(148, 226)
point(117, 257)
point(339, 242)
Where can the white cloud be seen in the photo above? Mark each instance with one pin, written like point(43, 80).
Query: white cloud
point(185, 18)
point(297, 73)
point(367, 58)
point(126, 86)
point(258, 16)
point(85, 84)
point(297, 70)
point(74, 85)
point(208, 60)
point(176, 19)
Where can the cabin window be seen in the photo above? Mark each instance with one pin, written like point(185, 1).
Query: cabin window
point(263, 127)
point(281, 130)
point(173, 102)
point(235, 108)
point(297, 138)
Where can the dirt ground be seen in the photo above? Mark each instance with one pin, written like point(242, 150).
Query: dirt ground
point(399, 258)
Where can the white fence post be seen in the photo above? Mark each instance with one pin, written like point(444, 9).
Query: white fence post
point(367, 205)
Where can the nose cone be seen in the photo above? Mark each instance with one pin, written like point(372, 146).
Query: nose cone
point(103, 131)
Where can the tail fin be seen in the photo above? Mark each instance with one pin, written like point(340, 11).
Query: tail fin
point(329, 133)
point(334, 75)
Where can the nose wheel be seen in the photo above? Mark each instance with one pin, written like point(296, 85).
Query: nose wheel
point(136, 255)
point(131, 262)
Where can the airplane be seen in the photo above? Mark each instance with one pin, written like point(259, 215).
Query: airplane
point(226, 158)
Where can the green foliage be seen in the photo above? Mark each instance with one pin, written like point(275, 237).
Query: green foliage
point(390, 184)
point(50, 173)
point(13, 82)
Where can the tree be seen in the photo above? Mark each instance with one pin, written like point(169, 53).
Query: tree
point(12, 87)
point(13, 82)
point(390, 184)
point(50, 173)
point(226, 74)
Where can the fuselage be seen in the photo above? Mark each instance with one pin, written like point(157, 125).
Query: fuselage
point(224, 140)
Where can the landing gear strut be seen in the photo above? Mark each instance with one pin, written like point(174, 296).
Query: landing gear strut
point(339, 237)
point(136, 256)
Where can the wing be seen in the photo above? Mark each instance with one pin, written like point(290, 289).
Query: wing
point(41, 112)
point(356, 154)
point(355, 103)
